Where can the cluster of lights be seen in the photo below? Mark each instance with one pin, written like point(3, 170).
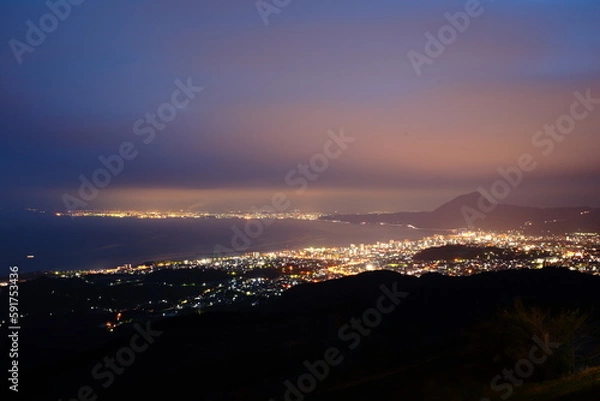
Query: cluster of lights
point(182, 214)
point(257, 275)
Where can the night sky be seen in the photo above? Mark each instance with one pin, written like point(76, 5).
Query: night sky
point(271, 93)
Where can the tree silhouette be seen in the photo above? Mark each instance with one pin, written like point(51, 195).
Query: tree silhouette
point(508, 337)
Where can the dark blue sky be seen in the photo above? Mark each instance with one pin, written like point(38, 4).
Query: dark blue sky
point(272, 92)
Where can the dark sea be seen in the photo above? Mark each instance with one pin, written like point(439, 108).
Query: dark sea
point(65, 243)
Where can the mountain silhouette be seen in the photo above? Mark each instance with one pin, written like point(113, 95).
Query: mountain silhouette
point(474, 210)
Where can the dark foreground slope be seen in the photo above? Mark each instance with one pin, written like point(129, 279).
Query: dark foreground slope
point(445, 339)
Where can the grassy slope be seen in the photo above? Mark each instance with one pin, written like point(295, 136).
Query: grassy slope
point(582, 386)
